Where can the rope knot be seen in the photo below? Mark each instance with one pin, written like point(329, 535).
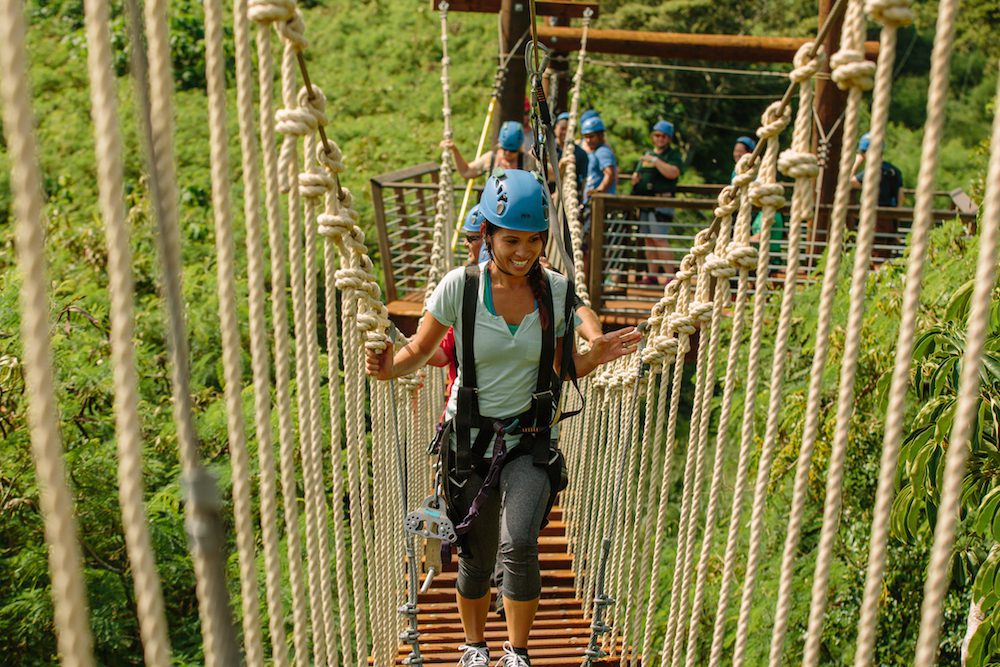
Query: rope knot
point(742, 255)
point(314, 103)
point(744, 173)
point(295, 122)
point(795, 164)
point(774, 120)
point(851, 70)
point(890, 13)
point(335, 225)
point(727, 202)
point(702, 243)
point(315, 184)
point(350, 278)
point(719, 266)
point(767, 195)
point(268, 11)
point(294, 32)
point(806, 67)
point(701, 310)
point(332, 160)
point(683, 323)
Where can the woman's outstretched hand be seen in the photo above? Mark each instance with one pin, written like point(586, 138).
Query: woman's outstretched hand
point(615, 344)
point(379, 364)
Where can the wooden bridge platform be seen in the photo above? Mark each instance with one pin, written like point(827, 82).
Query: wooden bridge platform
point(560, 633)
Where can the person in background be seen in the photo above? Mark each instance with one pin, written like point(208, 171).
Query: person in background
point(602, 166)
point(579, 155)
point(507, 154)
point(890, 195)
point(655, 175)
point(742, 146)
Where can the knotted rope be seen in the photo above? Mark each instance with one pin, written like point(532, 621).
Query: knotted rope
point(444, 207)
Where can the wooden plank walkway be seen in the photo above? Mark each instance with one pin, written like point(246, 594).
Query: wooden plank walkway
point(560, 633)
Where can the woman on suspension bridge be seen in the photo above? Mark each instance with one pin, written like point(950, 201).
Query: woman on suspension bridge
point(510, 320)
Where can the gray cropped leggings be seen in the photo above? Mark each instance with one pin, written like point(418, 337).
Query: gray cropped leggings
point(511, 518)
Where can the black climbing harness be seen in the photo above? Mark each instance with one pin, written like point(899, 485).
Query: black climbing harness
point(534, 425)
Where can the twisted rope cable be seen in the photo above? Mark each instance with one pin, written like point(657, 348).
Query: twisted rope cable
point(445, 204)
point(638, 519)
point(802, 166)
point(764, 192)
point(853, 72)
point(314, 183)
point(261, 14)
point(569, 193)
point(259, 360)
point(944, 36)
point(294, 122)
point(596, 516)
point(203, 520)
point(131, 495)
point(939, 569)
point(73, 638)
point(891, 21)
point(336, 446)
point(680, 325)
point(604, 520)
point(736, 259)
point(225, 249)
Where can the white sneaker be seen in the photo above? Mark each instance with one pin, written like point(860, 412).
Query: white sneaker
point(511, 659)
point(474, 656)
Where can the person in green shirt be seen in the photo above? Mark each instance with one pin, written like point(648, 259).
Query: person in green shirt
point(655, 175)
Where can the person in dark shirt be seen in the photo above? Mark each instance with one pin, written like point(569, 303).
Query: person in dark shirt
point(890, 195)
point(580, 156)
point(655, 175)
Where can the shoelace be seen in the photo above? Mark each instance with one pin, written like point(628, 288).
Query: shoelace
point(512, 659)
point(474, 656)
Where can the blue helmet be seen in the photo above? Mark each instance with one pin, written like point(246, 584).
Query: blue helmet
point(511, 135)
point(589, 113)
point(749, 142)
point(866, 141)
point(592, 125)
point(473, 220)
point(515, 199)
point(664, 126)
point(563, 116)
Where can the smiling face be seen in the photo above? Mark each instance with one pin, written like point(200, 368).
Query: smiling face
point(507, 159)
point(515, 252)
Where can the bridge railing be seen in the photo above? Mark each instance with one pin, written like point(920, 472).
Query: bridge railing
point(404, 203)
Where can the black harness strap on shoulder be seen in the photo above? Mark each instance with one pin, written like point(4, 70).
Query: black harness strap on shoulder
point(467, 409)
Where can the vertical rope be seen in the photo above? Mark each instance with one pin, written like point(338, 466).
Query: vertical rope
point(314, 183)
point(229, 327)
point(440, 251)
point(939, 570)
point(944, 36)
point(131, 495)
point(681, 325)
point(853, 72)
point(203, 521)
point(727, 259)
point(279, 323)
point(73, 638)
point(891, 21)
point(802, 166)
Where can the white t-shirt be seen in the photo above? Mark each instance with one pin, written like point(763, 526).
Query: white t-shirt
point(506, 363)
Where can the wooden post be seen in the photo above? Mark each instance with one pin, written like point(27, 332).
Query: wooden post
point(383, 241)
point(559, 68)
point(515, 20)
point(830, 104)
point(596, 252)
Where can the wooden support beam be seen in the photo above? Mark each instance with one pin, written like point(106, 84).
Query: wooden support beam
point(688, 46)
point(566, 9)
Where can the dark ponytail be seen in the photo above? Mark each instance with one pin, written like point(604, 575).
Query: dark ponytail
point(537, 279)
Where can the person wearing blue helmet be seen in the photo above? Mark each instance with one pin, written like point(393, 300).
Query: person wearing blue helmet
point(890, 195)
point(579, 155)
point(890, 190)
point(742, 146)
point(602, 165)
point(509, 316)
point(507, 154)
point(655, 175)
